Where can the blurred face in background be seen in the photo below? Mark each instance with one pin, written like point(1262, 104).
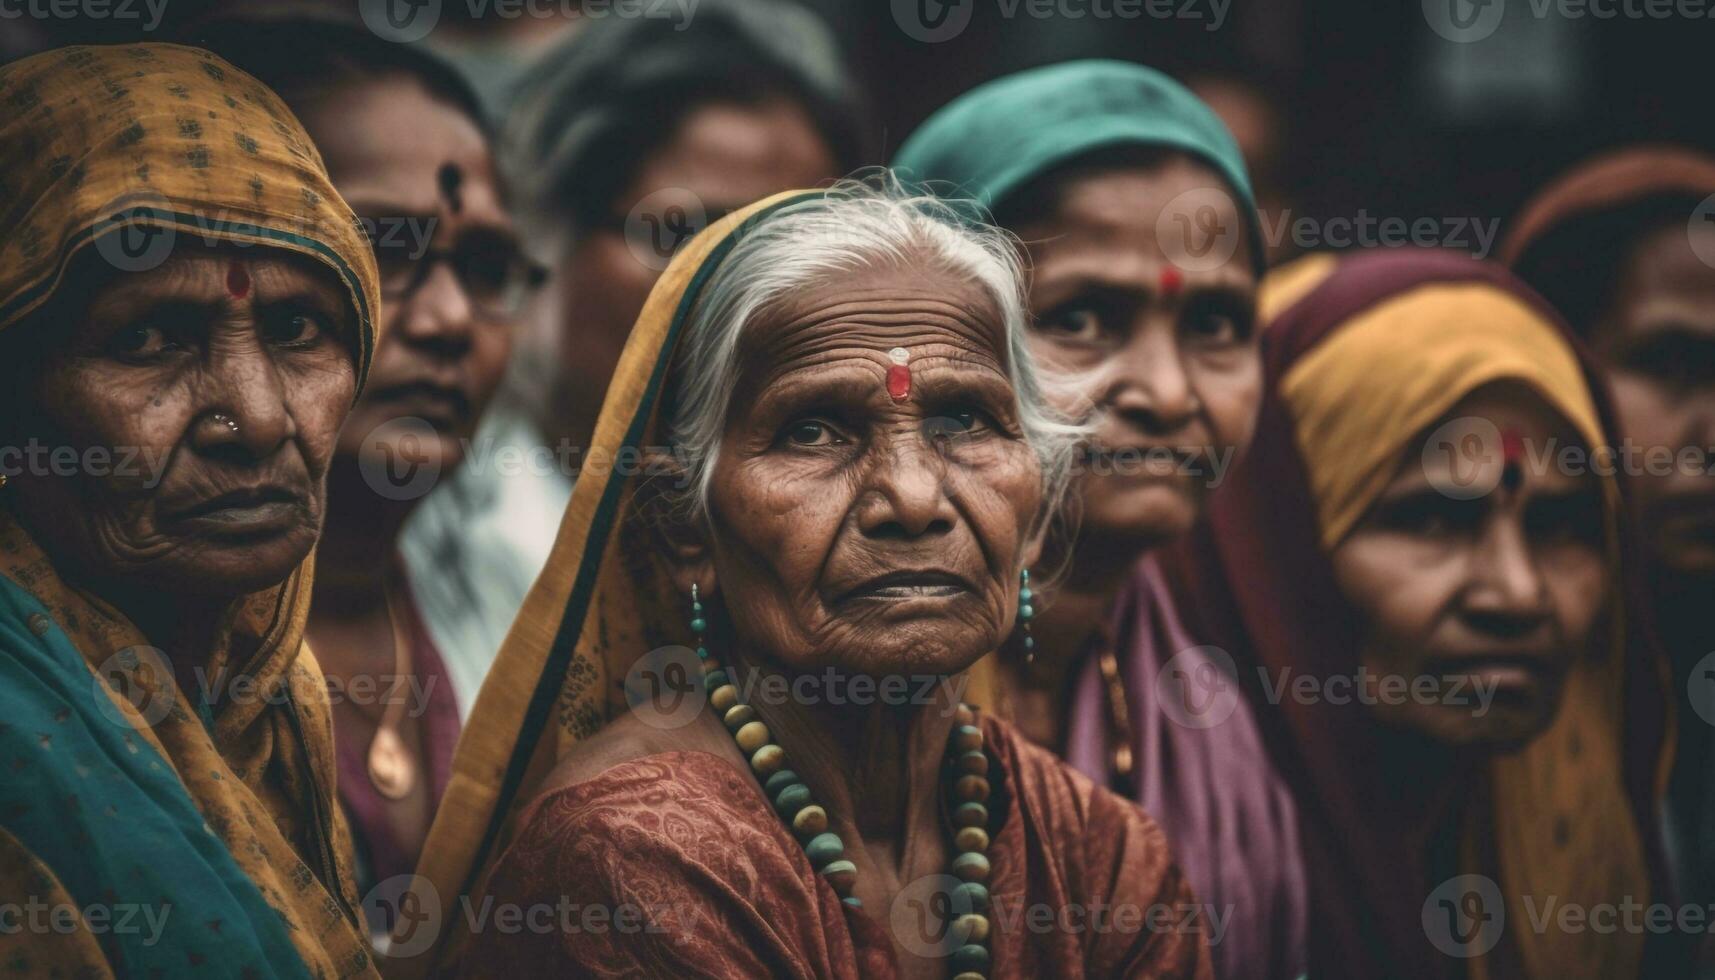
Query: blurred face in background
point(722, 157)
point(1168, 355)
point(1498, 592)
point(418, 172)
point(1657, 340)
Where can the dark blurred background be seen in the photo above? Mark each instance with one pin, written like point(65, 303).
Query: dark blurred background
point(1341, 104)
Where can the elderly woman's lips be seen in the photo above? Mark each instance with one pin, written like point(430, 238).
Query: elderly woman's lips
point(911, 585)
point(250, 511)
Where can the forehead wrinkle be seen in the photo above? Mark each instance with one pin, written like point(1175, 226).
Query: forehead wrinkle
point(893, 328)
point(822, 376)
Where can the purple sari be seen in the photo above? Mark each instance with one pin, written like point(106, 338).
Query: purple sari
point(1200, 768)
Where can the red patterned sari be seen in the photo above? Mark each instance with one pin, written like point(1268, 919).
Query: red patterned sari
point(675, 865)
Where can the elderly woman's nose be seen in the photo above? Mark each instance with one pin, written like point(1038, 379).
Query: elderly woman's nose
point(906, 492)
point(243, 404)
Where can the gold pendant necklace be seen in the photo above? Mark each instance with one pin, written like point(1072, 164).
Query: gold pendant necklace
point(392, 769)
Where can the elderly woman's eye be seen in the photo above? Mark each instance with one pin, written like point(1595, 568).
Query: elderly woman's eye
point(293, 328)
point(810, 432)
point(139, 340)
point(959, 423)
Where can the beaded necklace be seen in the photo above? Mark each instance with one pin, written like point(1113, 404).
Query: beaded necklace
point(965, 783)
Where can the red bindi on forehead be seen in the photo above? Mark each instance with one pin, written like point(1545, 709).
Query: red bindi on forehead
point(1512, 453)
point(237, 281)
point(899, 374)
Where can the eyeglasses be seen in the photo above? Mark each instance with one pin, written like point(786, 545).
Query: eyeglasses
point(490, 268)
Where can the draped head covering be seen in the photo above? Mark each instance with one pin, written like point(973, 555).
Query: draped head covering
point(1569, 241)
point(1355, 371)
point(598, 606)
point(1000, 136)
point(120, 788)
point(1573, 242)
point(1227, 815)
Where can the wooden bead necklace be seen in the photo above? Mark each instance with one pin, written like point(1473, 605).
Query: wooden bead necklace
point(966, 785)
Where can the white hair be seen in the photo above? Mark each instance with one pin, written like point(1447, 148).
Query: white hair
point(855, 225)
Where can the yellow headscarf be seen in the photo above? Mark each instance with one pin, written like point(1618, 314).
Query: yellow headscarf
point(1560, 822)
point(127, 150)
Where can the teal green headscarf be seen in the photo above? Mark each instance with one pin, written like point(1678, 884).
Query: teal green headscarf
point(997, 137)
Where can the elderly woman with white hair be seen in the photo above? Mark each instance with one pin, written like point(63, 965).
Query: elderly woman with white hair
point(728, 723)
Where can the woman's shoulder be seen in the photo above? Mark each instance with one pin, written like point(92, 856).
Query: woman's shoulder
point(1048, 788)
point(1087, 830)
point(628, 740)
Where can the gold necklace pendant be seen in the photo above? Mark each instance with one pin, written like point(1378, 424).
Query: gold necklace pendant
point(392, 768)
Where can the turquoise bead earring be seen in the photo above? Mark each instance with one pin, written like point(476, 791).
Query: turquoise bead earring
point(1025, 613)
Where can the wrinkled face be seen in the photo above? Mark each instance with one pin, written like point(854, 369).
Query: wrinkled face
point(853, 529)
point(1658, 342)
point(1169, 356)
point(1489, 599)
point(201, 401)
point(723, 157)
point(418, 172)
